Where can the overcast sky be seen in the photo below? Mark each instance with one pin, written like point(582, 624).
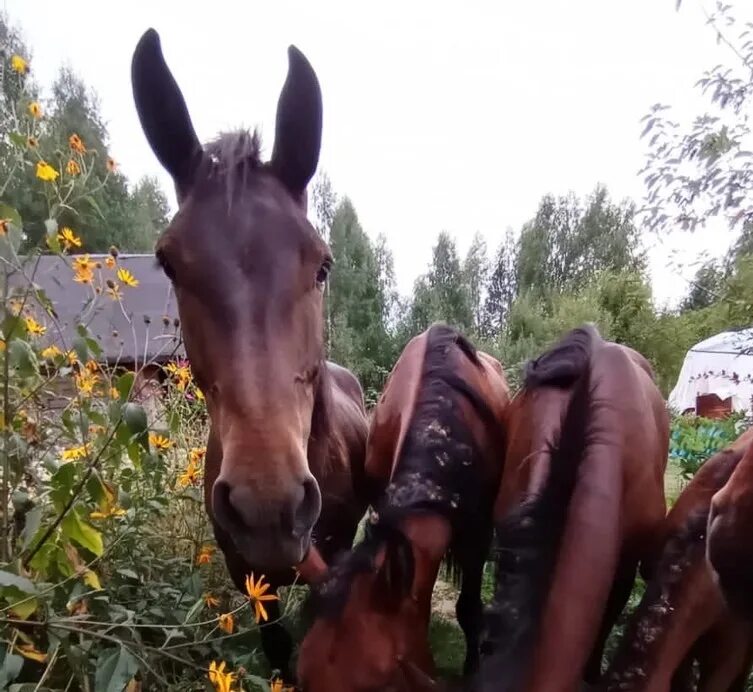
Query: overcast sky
point(437, 115)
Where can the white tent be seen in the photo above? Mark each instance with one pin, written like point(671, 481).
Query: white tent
point(721, 365)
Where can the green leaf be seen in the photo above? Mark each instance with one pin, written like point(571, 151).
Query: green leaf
point(124, 384)
point(193, 611)
point(21, 605)
point(94, 347)
point(81, 348)
point(94, 206)
point(84, 534)
point(31, 526)
point(10, 667)
point(20, 141)
point(8, 212)
point(21, 583)
point(135, 419)
point(22, 358)
point(128, 573)
point(115, 668)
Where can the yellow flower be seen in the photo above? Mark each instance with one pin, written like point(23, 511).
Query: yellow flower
point(221, 680)
point(46, 172)
point(86, 381)
point(257, 594)
point(205, 555)
point(72, 357)
point(33, 327)
point(32, 142)
point(83, 269)
point(18, 64)
point(91, 365)
point(76, 144)
point(110, 262)
point(51, 352)
point(181, 373)
point(3, 346)
point(210, 601)
point(226, 623)
point(76, 453)
point(111, 165)
point(127, 278)
point(72, 168)
point(161, 442)
point(114, 393)
point(68, 238)
point(4, 226)
point(114, 511)
point(196, 455)
point(199, 394)
point(277, 686)
point(35, 110)
point(29, 651)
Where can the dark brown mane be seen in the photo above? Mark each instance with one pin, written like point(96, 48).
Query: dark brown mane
point(438, 468)
point(562, 364)
point(683, 549)
point(231, 158)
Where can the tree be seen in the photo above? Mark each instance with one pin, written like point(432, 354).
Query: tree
point(323, 203)
point(706, 288)
point(705, 169)
point(567, 242)
point(475, 274)
point(501, 287)
point(151, 211)
point(356, 301)
point(441, 295)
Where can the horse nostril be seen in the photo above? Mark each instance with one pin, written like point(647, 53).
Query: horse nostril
point(225, 514)
point(308, 510)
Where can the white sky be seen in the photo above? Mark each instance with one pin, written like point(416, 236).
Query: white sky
point(437, 115)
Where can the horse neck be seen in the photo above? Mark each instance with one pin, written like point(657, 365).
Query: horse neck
point(588, 552)
point(679, 605)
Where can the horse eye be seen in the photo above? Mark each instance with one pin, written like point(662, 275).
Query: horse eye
point(323, 274)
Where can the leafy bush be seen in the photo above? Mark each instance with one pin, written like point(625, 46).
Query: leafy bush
point(109, 577)
point(694, 439)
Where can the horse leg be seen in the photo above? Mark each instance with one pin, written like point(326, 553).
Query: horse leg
point(618, 597)
point(469, 608)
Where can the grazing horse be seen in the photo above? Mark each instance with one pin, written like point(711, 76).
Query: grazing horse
point(288, 429)
point(576, 510)
point(730, 534)
point(682, 617)
point(434, 459)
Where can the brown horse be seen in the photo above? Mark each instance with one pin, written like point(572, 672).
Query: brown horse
point(577, 506)
point(730, 530)
point(682, 617)
point(434, 457)
point(288, 429)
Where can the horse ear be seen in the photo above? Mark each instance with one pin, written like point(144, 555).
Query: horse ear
point(394, 579)
point(163, 113)
point(298, 132)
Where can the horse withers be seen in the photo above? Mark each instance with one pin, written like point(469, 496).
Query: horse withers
point(682, 619)
point(434, 459)
point(577, 508)
point(288, 429)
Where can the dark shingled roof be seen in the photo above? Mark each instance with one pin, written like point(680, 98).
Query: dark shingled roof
point(121, 329)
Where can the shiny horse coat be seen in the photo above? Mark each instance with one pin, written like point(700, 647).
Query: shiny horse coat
point(682, 618)
point(434, 459)
point(573, 525)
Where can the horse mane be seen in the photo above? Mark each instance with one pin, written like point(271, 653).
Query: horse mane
point(230, 159)
point(562, 364)
point(329, 597)
point(682, 549)
point(437, 468)
point(528, 539)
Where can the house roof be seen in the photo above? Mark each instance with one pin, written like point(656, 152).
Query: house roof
point(142, 327)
